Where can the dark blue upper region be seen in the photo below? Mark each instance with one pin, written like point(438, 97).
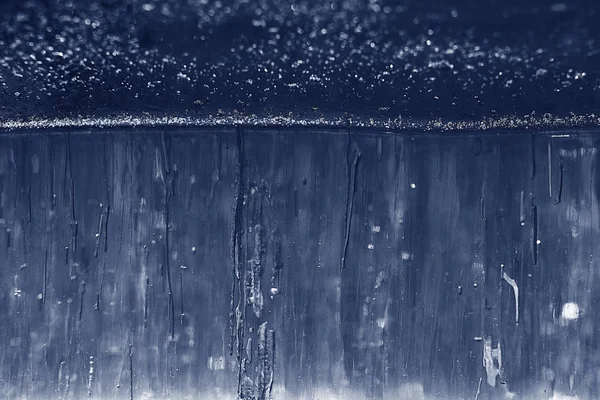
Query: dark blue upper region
point(314, 60)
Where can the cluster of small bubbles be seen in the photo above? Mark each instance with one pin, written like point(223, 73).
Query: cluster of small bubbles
point(263, 58)
point(294, 120)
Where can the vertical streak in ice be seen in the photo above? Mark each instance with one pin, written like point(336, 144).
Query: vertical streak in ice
point(271, 340)
point(98, 235)
point(492, 361)
point(81, 295)
point(167, 183)
point(69, 172)
point(60, 378)
point(549, 169)
point(106, 228)
point(168, 265)
point(45, 278)
point(163, 140)
point(266, 359)
point(534, 233)
point(236, 245)
point(91, 376)
point(146, 301)
point(108, 182)
point(263, 367)
point(68, 341)
point(256, 297)
point(560, 183)
point(532, 156)
point(349, 198)
point(522, 207)
point(29, 204)
point(515, 288)
point(75, 230)
point(182, 314)
point(130, 371)
point(238, 312)
point(277, 265)
point(249, 350)
point(482, 209)
point(51, 174)
point(100, 287)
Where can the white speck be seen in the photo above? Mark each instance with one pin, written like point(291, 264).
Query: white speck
point(539, 241)
point(412, 186)
point(570, 311)
point(148, 7)
point(194, 249)
point(574, 232)
point(274, 291)
point(40, 296)
point(370, 246)
point(376, 228)
point(405, 256)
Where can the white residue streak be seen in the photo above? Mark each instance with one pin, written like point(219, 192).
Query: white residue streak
point(216, 363)
point(492, 369)
point(559, 396)
point(478, 389)
point(91, 376)
point(256, 297)
point(513, 284)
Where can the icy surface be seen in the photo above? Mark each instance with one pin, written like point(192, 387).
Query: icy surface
point(294, 264)
point(425, 65)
